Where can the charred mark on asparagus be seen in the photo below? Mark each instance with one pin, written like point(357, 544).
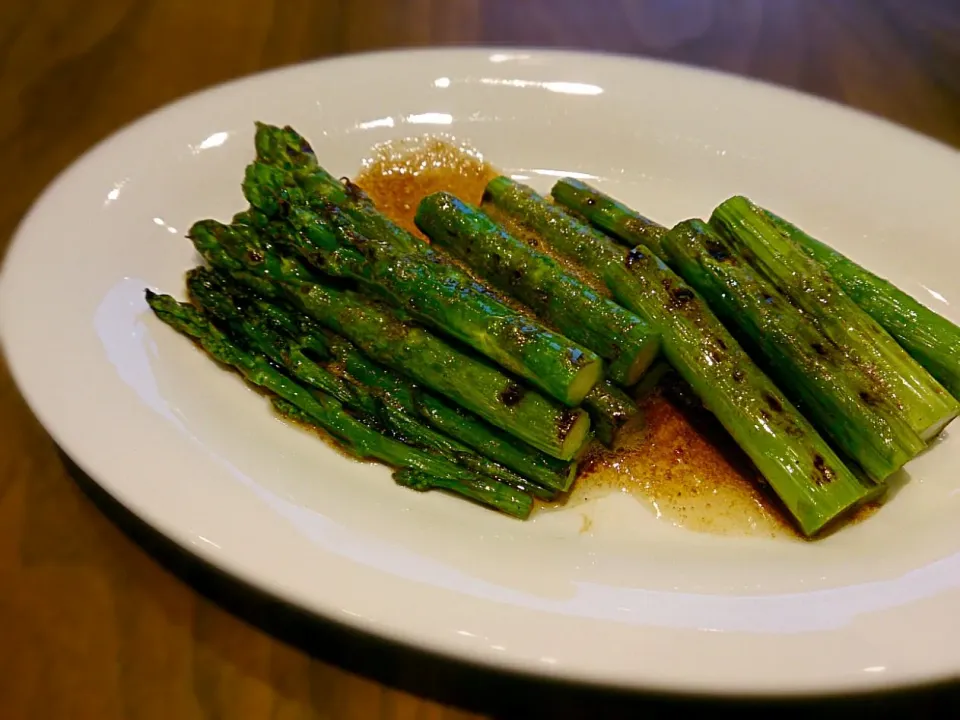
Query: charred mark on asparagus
point(512, 395)
point(635, 255)
point(824, 474)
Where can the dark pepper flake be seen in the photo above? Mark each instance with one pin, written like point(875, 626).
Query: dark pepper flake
point(716, 250)
point(567, 420)
point(868, 398)
point(512, 395)
point(823, 474)
point(633, 256)
point(681, 295)
point(773, 403)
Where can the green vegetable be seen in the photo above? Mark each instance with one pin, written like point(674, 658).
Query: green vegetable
point(480, 490)
point(610, 410)
point(477, 489)
point(613, 217)
point(324, 411)
point(402, 346)
point(931, 339)
point(841, 400)
point(541, 283)
point(286, 172)
point(277, 338)
point(806, 474)
point(659, 372)
point(441, 295)
point(453, 421)
point(925, 404)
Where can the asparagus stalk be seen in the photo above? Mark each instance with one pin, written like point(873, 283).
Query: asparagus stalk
point(246, 317)
point(930, 338)
point(610, 409)
point(270, 185)
point(925, 404)
point(841, 400)
point(541, 283)
point(442, 296)
point(812, 482)
point(479, 490)
point(458, 424)
point(652, 380)
point(404, 347)
point(341, 357)
point(620, 222)
point(324, 411)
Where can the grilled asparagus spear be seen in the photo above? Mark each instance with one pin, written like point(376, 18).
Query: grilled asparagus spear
point(924, 402)
point(620, 222)
point(233, 309)
point(479, 490)
point(405, 347)
point(324, 411)
point(813, 483)
point(931, 339)
point(842, 401)
point(541, 283)
point(440, 295)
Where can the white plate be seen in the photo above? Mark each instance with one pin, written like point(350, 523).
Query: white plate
point(635, 602)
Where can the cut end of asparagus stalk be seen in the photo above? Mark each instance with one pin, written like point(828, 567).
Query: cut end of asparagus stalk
point(642, 361)
point(931, 433)
point(585, 380)
point(573, 433)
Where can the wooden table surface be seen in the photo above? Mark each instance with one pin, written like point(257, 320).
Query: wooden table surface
point(101, 619)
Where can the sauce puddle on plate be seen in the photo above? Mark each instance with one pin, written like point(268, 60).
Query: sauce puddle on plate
point(399, 174)
point(678, 459)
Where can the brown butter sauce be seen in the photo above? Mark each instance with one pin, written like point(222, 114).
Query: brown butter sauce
point(399, 174)
point(678, 460)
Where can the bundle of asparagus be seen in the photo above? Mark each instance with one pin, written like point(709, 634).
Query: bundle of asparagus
point(811, 480)
point(361, 329)
point(860, 357)
point(481, 364)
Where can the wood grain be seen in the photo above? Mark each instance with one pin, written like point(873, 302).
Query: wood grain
point(95, 626)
